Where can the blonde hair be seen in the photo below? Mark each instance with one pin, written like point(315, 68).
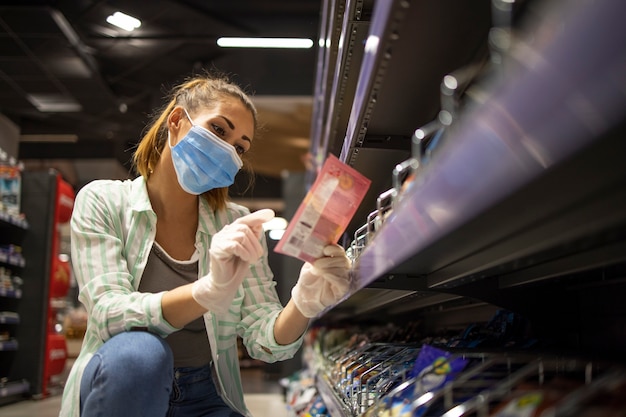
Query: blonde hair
point(199, 92)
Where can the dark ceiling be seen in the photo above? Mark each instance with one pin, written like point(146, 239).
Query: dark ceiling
point(65, 51)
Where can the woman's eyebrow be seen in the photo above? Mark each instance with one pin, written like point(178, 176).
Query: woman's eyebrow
point(232, 126)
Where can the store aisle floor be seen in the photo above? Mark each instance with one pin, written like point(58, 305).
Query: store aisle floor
point(263, 396)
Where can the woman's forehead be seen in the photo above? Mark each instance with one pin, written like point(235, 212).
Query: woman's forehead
point(228, 105)
point(232, 109)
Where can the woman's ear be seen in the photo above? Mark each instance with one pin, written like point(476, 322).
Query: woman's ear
point(175, 118)
point(174, 124)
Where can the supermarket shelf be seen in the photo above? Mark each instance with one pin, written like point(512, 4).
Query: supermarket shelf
point(519, 209)
point(7, 219)
point(10, 293)
point(336, 407)
point(9, 345)
point(480, 382)
point(508, 182)
point(410, 47)
point(14, 388)
point(548, 227)
point(9, 317)
point(349, 53)
point(524, 196)
point(12, 260)
point(377, 299)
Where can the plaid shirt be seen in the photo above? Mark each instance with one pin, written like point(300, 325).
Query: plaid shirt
point(113, 228)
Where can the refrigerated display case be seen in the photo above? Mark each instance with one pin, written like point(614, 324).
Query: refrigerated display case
point(47, 201)
point(13, 228)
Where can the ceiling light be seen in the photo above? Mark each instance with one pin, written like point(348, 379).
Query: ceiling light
point(49, 138)
point(124, 21)
point(54, 103)
point(265, 43)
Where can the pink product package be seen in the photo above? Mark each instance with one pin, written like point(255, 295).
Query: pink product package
point(325, 212)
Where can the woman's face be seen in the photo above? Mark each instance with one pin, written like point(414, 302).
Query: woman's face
point(230, 120)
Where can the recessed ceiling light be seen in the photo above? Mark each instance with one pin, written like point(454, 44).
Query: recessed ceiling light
point(300, 43)
point(124, 21)
point(54, 103)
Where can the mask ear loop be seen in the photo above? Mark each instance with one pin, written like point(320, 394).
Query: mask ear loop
point(188, 117)
point(169, 136)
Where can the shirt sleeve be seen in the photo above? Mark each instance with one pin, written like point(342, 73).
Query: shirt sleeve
point(261, 306)
point(101, 270)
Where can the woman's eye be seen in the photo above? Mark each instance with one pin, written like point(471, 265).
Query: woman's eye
point(240, 149)
point(218, 129)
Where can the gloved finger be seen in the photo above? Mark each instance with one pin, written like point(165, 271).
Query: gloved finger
point(248, 246)
point(236, 240)
point(339, 283)
point(334, 289)
point(309, 275)
point(333, 250)
point(242, 252)
point(327, 263)
point(327, 297)
point(257, 218)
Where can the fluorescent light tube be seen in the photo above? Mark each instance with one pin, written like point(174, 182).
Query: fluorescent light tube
point(54, 103)
point(68, 138)
point(124, 21)
point(265, 43)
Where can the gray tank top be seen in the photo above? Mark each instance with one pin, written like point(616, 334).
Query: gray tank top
point(190, 344)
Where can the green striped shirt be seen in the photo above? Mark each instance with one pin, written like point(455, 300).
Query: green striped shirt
point(113, 228)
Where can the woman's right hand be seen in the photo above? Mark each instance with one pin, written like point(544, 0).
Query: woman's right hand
point(232, 250)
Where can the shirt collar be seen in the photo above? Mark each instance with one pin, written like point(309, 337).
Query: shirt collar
point(140, 202)
point(139, 195)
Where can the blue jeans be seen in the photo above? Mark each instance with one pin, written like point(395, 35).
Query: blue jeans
point(132, 375)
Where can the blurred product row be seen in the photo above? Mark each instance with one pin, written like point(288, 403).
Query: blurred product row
point(493, 369)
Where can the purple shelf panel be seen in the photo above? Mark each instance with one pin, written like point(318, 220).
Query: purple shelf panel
point(562, 90)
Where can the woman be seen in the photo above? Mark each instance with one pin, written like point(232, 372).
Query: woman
point(171, 272)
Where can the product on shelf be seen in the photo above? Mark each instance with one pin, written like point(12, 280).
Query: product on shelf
point(504, 329)
point(608, 400)
point(9, 283)
point(11, 254)
point(300, 391)
point(317, 408)
point(382, 377)
point(531, 398)
point(10, 189)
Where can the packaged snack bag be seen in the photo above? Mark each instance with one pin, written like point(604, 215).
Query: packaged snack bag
point(433, 368)
point(325, 212)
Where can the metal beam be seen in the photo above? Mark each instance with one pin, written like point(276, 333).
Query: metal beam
point(79, 150)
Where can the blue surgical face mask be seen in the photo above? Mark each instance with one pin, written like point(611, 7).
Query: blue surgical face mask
point(203, 161)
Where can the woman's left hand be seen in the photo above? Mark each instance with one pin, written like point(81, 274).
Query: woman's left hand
point(322, 283)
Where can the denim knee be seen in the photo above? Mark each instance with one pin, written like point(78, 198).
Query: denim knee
point(130, 375)
point(143, 355)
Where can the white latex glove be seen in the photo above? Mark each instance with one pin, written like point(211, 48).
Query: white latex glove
point(322, 283)
point(232, 250)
